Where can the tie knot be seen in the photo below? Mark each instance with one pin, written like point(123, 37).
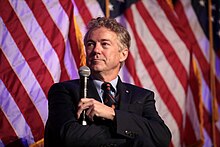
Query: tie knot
point(108, 95)
point(107, 86)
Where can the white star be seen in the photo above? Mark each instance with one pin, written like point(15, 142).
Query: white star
point(111, 7)
point(202, 3)
point(212, 19)
point(218, 33)
point(213, 7)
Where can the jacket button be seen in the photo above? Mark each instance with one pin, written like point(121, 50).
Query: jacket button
point(112, 145)
point(130, 134)
point(127, 132)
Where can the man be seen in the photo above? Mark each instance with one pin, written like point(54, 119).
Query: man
point(127, 118)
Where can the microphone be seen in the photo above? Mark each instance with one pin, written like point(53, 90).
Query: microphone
point(84, 73)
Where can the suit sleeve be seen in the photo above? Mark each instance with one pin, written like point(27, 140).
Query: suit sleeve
point(142, 120)
point(62, 128)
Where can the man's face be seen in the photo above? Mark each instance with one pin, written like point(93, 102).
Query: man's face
point(103, 52)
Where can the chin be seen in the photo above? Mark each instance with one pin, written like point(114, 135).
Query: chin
point(96, 68)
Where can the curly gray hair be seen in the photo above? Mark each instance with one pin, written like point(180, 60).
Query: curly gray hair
point(113, 25)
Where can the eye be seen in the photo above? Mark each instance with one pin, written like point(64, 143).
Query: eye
point(90, 45)
point(105, 44)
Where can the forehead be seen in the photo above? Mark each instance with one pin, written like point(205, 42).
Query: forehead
point(102, 33)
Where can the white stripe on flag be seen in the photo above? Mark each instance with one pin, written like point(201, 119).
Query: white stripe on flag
point(62, 21)
point(191, 112)
point(167, 29)
point(125, 75)
point(41, 44)
point(197, 30)
point(14, 116)
point(147, 82)
point(24, 73)
point(160, 60)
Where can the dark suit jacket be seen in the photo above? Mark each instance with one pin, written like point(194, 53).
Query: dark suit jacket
point(136, 123)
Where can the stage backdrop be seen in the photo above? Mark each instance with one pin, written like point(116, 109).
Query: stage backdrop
point(174, 51)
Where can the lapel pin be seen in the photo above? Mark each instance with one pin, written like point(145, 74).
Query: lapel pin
point(126, 91)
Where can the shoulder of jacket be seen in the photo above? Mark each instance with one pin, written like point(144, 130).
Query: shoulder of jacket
point(69, 83)
point(137, 88)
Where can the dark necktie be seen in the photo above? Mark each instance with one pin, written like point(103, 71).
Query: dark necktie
point(108, 97)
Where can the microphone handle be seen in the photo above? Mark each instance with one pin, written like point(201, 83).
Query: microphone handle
point(84, 96)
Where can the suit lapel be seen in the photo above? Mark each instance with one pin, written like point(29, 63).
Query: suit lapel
point(124, 95)
point(92, 91)
point(123, 91)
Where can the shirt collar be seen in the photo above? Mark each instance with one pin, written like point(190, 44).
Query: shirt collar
point(98, 84)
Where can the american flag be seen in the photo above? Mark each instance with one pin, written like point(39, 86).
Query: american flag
point(170, 54)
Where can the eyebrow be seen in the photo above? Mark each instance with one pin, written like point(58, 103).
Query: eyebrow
point(90, 40)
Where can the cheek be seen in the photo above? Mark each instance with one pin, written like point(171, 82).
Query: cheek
point(113, 57)
point(89, 55)
point(88, 52)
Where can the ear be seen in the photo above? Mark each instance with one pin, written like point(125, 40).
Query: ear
point(123, 55)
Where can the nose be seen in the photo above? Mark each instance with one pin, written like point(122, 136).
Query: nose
point(97, 48)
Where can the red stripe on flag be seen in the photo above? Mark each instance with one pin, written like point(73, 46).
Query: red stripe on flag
point(164, 44)
point(25, 46)
point(84, 11)
point(205, 67)
point(21, 98)
point(188, 37)
point(131, 69)
point(195, 85)
point(68, 7)
point(7, 133)
point(155, 74)
point(217, 90)
point(51, 31)
point(189, 139)
point(217, 134)
point(202, 114)
point(171, 144)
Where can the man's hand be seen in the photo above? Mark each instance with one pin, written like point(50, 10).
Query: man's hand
point(95, 108)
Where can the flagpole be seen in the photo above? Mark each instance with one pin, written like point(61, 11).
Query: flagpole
point(170, 3)
point(212, 74)
point(107, 11)
point(80, 43)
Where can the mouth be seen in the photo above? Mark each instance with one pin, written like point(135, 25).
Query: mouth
point(96, 60)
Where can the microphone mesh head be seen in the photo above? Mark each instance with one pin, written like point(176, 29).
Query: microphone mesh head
point(84, 71)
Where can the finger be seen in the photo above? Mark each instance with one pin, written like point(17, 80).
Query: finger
point(81, 102)
point(88, 113)
point(93, 114)
point(81, 107)
point(84, 100)
point(79, 113)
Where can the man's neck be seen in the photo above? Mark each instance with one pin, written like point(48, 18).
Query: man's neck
point(104, 78)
